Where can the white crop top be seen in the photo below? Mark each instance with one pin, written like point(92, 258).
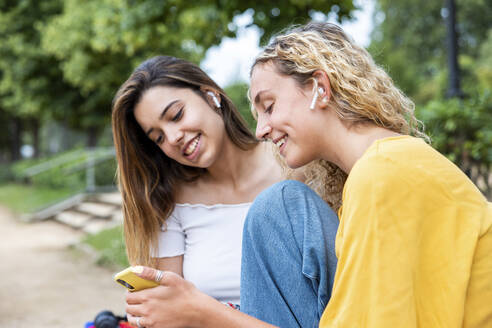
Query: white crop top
point(210, 238)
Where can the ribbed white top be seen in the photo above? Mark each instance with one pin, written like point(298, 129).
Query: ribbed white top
point(210, 238)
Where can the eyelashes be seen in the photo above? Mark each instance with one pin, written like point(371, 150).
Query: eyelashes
point(178, 115)
point(175, 118)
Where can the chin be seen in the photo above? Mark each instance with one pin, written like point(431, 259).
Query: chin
point(206, 161)
point(296, 157)
point(295, 163)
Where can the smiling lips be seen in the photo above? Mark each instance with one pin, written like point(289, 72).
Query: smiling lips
point(191, 147)
point(279, 142)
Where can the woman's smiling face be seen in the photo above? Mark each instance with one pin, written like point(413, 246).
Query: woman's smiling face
point(182, 124)
point(283, 113)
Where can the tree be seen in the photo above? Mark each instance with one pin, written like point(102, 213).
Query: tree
point(65, 59)
point(409, 40)
point(460, 129)
point(238, 94)
point(31, 83)
point(99, 42)
point(454, 89)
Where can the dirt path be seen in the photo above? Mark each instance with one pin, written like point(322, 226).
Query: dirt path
point(44, 284)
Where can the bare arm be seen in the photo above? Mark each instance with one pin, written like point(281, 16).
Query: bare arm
point(174, 264)
point(215, 314)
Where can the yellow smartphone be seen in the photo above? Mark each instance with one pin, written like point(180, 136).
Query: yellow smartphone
point(132, 282)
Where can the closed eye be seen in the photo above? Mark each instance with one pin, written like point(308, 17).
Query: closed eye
point(178, 115)
point(159, 139)
point(269, 109)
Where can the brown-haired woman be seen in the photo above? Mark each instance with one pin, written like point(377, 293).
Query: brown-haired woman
point(188, 170)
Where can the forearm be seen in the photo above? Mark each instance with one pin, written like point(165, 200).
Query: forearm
point(217, 315)
point(178, 303)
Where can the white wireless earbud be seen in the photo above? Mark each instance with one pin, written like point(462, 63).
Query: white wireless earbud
point(315, 97)
point(214, 98)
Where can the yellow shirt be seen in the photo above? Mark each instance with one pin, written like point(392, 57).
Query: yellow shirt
point(414, 244)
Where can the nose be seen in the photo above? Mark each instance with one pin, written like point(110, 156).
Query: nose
point(262, 129)
point(175, 136)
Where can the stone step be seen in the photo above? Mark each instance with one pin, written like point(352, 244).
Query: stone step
point(89, 213)
point(96, 209)
point(74, 219)
point(113, 198)
point(53, 210)
point(118, 217)
point(94, 226)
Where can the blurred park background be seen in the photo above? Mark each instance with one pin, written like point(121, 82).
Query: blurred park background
point(61, 62)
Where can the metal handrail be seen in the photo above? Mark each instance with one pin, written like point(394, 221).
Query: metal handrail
point(48, 165)
point(94, 157)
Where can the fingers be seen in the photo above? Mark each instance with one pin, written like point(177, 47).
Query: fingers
point(171, 285)
point(148, 273)
point(135, 310)
point(136, 321)
point(165, 278)
point(137, 297)
point(131, 319)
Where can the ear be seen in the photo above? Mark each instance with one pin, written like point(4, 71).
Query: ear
point(324, 83)
point(212, 96)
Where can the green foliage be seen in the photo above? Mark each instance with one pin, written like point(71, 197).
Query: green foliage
point(110, 246)
point(32, 86)
point(65, 59)
point(5, 118)
point(31, 82)
point(238, 94)
point(462, 130)
point(71, 174)
point(409, 41)
point(99, 42)
point(484, 63)
point(28, 199)
point(6, 174)
point(272, 17)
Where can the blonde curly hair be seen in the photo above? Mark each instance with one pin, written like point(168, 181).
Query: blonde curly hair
point(361, 91)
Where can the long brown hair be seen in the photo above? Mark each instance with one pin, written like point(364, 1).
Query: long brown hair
point(147, 178)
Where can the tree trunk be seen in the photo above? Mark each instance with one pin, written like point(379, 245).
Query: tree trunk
point(452, 45)
point(35, 137)
point(65, 141)
point(16, 139)
point(93, 136)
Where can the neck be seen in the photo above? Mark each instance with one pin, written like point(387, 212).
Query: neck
point(349, 144)
point(232, 165)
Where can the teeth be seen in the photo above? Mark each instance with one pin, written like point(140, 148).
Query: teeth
point(280, 142)
point(191, 148)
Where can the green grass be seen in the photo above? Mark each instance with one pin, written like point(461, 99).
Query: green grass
point(27, 199)
point(111, 247)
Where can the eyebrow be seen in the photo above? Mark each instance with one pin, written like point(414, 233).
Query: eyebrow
point(164, 111)
point(258, 96)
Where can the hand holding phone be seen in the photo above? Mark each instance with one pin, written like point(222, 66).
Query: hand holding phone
point(129, 279)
